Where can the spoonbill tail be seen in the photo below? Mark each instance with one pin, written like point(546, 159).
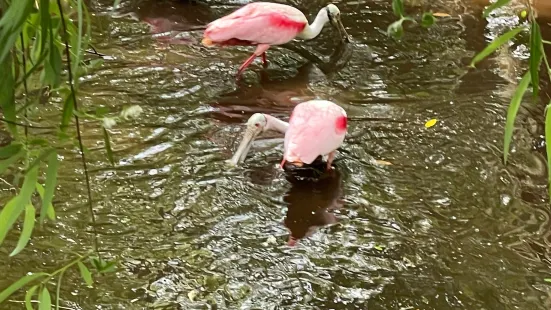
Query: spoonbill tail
point(264, 24)
point(315, 128)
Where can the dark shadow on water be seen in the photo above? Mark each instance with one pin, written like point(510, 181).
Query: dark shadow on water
point(310, 202)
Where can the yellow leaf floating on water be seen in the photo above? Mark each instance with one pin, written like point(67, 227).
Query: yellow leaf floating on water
point(430, 123)
point(441, 14)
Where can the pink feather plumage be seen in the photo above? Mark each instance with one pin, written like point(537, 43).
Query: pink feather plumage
point(316, 127)
point(257, 23)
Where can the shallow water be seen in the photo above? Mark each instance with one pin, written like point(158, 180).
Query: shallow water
point(445, 226)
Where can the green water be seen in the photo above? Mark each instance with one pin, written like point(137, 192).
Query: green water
point(446, 226)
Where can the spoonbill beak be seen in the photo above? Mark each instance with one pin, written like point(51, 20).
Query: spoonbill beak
point(250, 134)
point(337, 23)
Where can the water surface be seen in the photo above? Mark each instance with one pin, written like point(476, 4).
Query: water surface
point(445, 226)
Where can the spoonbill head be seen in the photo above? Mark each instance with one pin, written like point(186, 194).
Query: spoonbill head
point(257, 124)
point(263, 24)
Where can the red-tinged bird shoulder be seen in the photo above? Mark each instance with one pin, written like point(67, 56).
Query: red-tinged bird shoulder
point(341, 124)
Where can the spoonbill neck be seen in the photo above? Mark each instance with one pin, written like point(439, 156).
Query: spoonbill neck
point(275, 124)
point(313, 30)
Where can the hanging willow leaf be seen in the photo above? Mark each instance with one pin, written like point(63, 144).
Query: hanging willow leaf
point(548, 145)
point(67, 113)
point(536, 55)
point(398, 8)
point(45, 300)
point(45, 154)
point(29, 296)
point(58, 289)
point(15, 206)
point(11, 25)
point(10, 150)
point(6, 163)
point(495, 44)
point(493, 6)
point(108, 147)
point(512, 113)
point(44, 23)
point(51, 181)
point(85, 274)
point(28, 226)
point(7, 99)
point(19, 284)
point(116, 4)
point(50, 212)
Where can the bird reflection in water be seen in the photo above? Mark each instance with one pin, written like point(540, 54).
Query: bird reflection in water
point(311, 199)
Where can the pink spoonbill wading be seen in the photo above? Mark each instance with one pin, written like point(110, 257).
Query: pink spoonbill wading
point(316, 127)
point(264, 24)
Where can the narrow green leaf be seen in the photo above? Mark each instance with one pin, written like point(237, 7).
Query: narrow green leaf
point(15, 206)
point(10, 150)
point(58, 289)
point(116, 4)
point(45, 154)
point(28, 225)
point(493, 6)
point(45, 300)
point(6, 163)
point(44, 23)
point(50, 212)
point(19, 284)
point(67, 113)
point(495, 44)
point(427, 20)
point(85, 274)
point(398, 8)
point(536, 55)
point(548, 145)
point(512, 113)
point(77, 48)
point(51, 181)
point(547, 280)
point(28, 297)
point(396, 29)
point(108, 147)
point(7, 99)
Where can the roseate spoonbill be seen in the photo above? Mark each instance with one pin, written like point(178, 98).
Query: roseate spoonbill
point(264, 24)
point(315, 128)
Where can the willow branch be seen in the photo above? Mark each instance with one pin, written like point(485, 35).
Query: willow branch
point(81, 145)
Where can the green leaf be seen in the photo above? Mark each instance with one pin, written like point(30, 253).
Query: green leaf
point(50, 212)
point(536, 54)
point(7, 99)
point(493, 6)
point(427, 20)
point(103, 266)
point(67, 113)
point(29, 296)
point(19, 284)
point(512, 113)
point(396, 29)
point(77, 48)
point(45, 300)
point(44, 23)
point(6, 163)
point(15, 206)
point(51, 181)
point(58, 289)
point(547, 280)
point(108, 146)
point(10, 150)
point(548, 145)
point(116, 4)
point(28, 226)
point(11, 25)
point(45, 154)
point(85, 274)
point(495, 44)
point(398, 8)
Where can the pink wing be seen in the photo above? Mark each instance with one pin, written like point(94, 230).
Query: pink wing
point(316, 127)
point(258, 22)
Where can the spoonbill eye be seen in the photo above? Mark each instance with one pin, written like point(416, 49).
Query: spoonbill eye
point(257, 125)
